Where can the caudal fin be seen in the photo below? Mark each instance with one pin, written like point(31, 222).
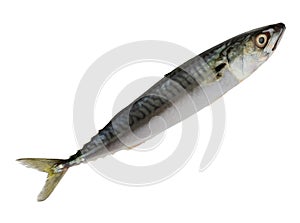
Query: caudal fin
point(50, 166)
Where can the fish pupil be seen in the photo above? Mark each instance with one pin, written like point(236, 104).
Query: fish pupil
point(261, 40)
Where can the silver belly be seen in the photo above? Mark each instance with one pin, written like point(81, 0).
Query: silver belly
point(183, 105)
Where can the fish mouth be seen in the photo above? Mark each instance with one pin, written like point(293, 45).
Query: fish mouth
point(280, 27)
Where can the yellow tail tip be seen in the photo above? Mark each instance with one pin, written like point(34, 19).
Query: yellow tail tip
point(49, 166)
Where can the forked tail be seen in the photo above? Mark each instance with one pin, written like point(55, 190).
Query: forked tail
point(55, 169)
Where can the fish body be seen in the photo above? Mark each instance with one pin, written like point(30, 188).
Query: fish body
point(179, 94)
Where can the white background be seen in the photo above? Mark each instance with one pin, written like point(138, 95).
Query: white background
point(46, 48)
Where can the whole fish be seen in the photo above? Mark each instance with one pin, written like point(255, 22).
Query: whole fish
point(179, 94)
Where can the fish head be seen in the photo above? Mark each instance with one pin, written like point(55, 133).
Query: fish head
point(253, 48)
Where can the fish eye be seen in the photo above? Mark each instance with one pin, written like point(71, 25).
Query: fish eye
point(261, 40)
